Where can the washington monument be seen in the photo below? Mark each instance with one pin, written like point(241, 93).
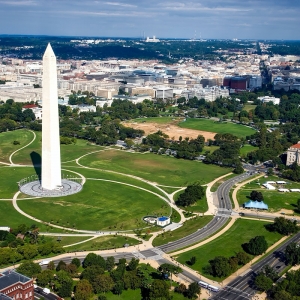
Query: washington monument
point(51, 163)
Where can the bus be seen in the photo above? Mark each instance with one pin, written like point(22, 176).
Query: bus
point(203, 284)
point(212, 288)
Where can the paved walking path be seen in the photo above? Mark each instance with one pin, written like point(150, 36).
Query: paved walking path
point(10, 157)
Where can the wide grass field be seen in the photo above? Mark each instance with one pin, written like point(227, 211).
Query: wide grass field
point(229, 243)
point(164, 170)
point(189, 227)
point(100, 205)
point(102, 174)
point(6, 142)
point(67, 240)
point(103, 243)
point(274, 199)
point(217, 127)
point(158, 120)
point(11, 218)
point(10, 177)
point(68, 152)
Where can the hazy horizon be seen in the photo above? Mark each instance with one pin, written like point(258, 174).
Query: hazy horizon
point(194, 19)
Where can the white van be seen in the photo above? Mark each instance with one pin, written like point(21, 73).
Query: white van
point(46, 291)
point(45, 262)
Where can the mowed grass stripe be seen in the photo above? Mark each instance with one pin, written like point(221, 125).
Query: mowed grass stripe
point(100, 174)
point(156, 168)
point(6, 142)
point(100, 205)
point(68, 152)
point(217, 127)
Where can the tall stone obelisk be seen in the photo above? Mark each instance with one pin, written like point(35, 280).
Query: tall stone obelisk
point(51, 163)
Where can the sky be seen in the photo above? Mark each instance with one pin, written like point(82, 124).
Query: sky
point(206, 19)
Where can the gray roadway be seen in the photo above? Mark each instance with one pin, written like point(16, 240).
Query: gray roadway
point(221, 217)
point(240, 288)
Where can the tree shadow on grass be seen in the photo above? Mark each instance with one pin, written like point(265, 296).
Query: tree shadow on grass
point(37, 163)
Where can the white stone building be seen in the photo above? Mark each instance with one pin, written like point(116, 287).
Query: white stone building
point(293, 154)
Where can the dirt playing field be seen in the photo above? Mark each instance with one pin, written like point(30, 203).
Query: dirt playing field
point(173, 131)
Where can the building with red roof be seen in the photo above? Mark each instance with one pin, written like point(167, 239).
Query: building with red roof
point(293, 154)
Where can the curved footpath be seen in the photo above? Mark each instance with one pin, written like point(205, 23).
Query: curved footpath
point(219, 204)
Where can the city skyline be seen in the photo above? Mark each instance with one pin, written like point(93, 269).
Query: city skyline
point(215, 19)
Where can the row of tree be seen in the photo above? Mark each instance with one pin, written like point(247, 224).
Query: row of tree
point(100, 276)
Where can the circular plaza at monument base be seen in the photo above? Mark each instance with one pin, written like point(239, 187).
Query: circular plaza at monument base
point(34, 188)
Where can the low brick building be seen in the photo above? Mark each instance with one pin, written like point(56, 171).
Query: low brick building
point(16, 286)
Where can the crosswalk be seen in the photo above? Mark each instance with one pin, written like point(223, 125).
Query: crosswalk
point(153, 254)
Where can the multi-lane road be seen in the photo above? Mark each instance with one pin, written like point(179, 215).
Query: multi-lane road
point(242, 287)
point(222, 214)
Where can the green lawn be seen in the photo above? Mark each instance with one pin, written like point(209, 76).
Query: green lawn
point(10, 217)
point(102, 174)
point(68, 152)
point(189, 227)
point(100, 205)
point(67, 240)
point(161, 169)
point(229, 243)
point(9, 179)
point(6, 142)
point(217, 127)
point(248, 107)
point(159, 120)
point(103, 243)
point(246, 149)
point(275, 200)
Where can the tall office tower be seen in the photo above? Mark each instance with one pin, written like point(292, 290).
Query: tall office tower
point(51, 163)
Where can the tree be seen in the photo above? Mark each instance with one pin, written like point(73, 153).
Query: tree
point(257, 245)
point(93, 259)
point(83, 290)
point(44, 278)
point(29, 269)
point(159, 290)
point(192, 261)
point(51, 265)
point(118, 287)
point(262, 282)
point(193, 290)
point(255, 195)
point(191, 194)
point(238, 169)
point(181, 289)
point(110, 263)
point(292, 254)
point(91, 272)
point(220, 266)
point(63, 283)
point(61, 266)
point(133, 264)
point(76, 261)
point(103, 283)
point(284, 226)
